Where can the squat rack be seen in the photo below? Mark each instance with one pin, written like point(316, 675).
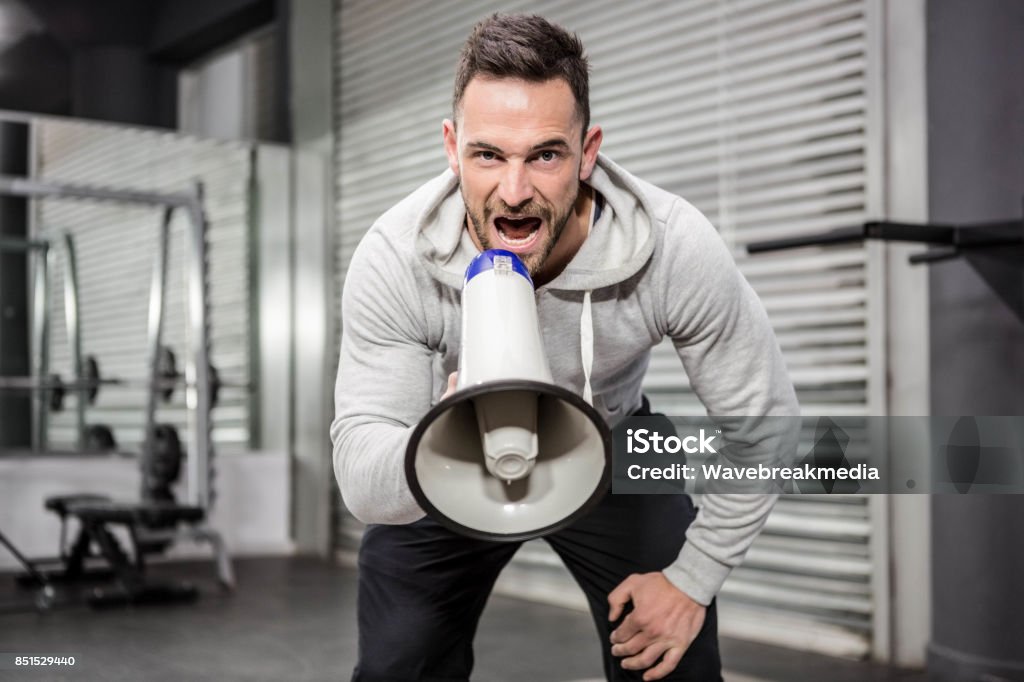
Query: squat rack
point(197, 365)
point(40, 253)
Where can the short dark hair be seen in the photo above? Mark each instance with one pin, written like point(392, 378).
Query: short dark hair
point(528, 47)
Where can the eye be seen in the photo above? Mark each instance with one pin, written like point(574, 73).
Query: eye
point(485, 155)
point(548, 157)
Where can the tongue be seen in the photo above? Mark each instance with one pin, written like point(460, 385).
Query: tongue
point(517, 229)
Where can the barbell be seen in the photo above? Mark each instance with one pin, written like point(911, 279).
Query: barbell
point(167, 381)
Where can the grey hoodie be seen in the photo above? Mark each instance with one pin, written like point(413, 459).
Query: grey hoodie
point(653, 266)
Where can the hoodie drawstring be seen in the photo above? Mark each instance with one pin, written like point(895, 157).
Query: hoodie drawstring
point(587, 347)
point(587, 318)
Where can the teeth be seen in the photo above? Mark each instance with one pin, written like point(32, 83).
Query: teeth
point(516, 242)
point(522, 241)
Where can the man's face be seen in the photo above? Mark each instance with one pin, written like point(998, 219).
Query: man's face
point(518, 152)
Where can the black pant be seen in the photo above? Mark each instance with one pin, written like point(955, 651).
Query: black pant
point(422, 587)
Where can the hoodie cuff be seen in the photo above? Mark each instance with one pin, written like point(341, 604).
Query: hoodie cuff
point(697, 574)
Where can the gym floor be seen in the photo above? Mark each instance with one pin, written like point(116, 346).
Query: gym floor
point(294, 619)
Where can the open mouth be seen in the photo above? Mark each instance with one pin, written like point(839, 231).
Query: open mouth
point(518, 233)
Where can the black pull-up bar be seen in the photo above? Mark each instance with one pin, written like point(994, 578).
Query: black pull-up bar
point(994, 249)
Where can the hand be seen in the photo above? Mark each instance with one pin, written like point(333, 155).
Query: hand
point(452, 379)
point(663, 623)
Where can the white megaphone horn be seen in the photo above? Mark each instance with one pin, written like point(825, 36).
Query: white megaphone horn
point(509, 455)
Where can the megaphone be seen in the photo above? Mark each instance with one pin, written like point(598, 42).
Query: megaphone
point(509, 455)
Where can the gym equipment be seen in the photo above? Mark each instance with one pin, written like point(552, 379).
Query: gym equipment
point(40, 256)
point(56, 393)
point(162, 464)
point(994, 249)
point(97, 555)
point(131, 585)
point(168, 378)
point(158, 519)
point(44, 595)
point(151, 526)
point(509, 455)
point(91, 381)
point(197, 365)
point(99, 438)
point(91, 372)
point(71, 565)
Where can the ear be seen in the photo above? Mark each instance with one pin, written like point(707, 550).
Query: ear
point(451, 144)
point(591, 145)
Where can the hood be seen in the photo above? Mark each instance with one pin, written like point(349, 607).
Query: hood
point(619, 244)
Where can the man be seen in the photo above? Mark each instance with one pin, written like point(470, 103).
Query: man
point(618, 264)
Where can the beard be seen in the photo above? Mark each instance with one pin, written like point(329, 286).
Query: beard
point(551, 218)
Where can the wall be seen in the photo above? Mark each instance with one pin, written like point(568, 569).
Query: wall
point(310, 105)
point(976, 173)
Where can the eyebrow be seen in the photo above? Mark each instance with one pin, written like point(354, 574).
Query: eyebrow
point(546, 144)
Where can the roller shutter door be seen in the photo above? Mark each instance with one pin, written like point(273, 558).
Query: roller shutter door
point(753, 110)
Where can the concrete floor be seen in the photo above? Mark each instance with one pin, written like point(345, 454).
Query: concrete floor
point(294, 619)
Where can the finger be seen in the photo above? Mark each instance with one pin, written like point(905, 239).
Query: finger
point(647, 656)
point(452, 379)
point(633, 646)
point(667, 665)
point(628, 629)
point(618, 598)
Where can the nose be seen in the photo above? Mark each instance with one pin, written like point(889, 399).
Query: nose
point(515, 188)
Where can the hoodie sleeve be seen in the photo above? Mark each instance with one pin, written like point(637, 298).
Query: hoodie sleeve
point(734, 364)
point(383, 385)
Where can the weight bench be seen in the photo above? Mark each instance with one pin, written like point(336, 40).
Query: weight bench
point(71, 564)
point(152, 526)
